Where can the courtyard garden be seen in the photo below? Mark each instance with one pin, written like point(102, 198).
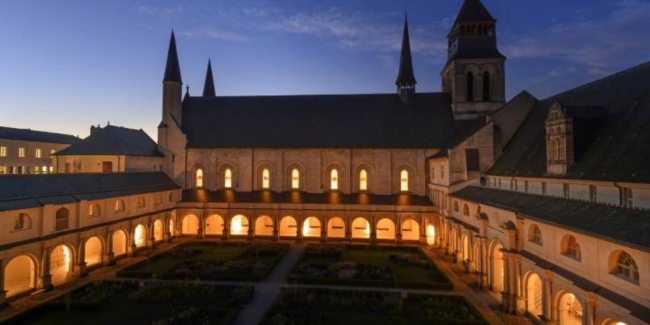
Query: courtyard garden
point(365, 265)
point(130, 302)
point(324, 307)
point(211, 261)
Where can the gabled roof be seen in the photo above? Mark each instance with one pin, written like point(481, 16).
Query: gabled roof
point(114, 140)
point(36, 136)
point(618, 149)
point(172, 68)
point(473, 11)
point(29, 191)
point(321, 121)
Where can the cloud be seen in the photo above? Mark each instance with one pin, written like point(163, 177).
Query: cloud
point(214, 34)
point(165, 12)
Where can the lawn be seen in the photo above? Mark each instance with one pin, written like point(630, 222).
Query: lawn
point(334, 307)
point(399, 266)
point(110, 303)
point(210, 261)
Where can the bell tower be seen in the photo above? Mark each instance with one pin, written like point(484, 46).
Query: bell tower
point(474, 75)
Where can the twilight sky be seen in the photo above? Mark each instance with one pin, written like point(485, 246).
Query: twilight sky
point(67, 64)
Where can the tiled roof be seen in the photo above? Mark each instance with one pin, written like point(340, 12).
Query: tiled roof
point(114, 140)
point(36, 136)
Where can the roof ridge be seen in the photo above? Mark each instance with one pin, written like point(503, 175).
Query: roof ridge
point(315, 95)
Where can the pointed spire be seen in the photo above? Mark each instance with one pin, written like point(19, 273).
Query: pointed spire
point(406, 77)
point(474, 11)
point(208, 87)
point(172, 69)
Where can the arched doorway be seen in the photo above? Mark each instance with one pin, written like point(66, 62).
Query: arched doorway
point(190, 225)
point(534, 295)
point(264, 226)
point(360, 228)
point(498, 271)
point(239, 225)
point(311, 227)
point(386, 229)
point(20, 275)
point(336, 228)
point(410, 230)
point(214, 225)
point(431, 235)
point(60, 264)
point(570, 310)
point(288, 227)
point(93, 252)
point(119, 243)
point(158, 230)
point(140, 236)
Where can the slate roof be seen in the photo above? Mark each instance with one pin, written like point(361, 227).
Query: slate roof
point(321, 121)
point(618, 149)
point(114, 140)
point(231, 196)
point(29, 191)
point(626, 226)
point(36, 136)
point(473, 10)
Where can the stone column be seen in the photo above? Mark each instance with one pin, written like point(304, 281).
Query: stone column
point(423, 230)
point(109, 255)
point(520, 300)
point(201, 231)
point(348, 228)
point(549, 313)
point(276, 228)
point(299, 222)
point(251, 229)
point(589, 312)
point(373, 231)
point(45, 282)
point(505, 293)
point(323, 231)
point(3, 292)
point(81, 259)
point(398, 230)
point(226, 227)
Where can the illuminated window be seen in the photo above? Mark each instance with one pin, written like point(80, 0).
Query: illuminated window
point(38, 153)
point(535, 235)
point(266, 178)
point(52, 151)
point(626, 267)
point(119, 206)
point(334, 179)
point(404, 180)
point(3, 151)
point(363, 180)
point(21, 152)
point(199, 177)
point(572, 248)
point(295, 179)
point(227, 178)
point(44, 169)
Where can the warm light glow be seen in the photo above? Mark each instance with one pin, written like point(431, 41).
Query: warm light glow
point(139, 236)
point(295, 179)
point(266, 178)
point(227, 178)
point(363, 180)
point(431, 235)
point(199, 177)
point(171, 227)
point(404, 180)
point(360, 228)
point(311, 227)
point(334, 179)
point(239, 225)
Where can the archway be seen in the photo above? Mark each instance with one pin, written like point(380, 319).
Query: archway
point(93, 251)
point(119, 243)
point(288, 227)
point(534, 295)
point(570, 310)
point(140, 236)
point(239, 225)
point(264, 226)
point(20, 275)
point(60, 264)
point(360, 228)
point(214, 225)
point(336, 228)
point(386, 229)
point(498, 271)
point(465, 248)
point(410, 230)
point(311, 227)
point(431, 235)
point(157, 230)
point(190, 225)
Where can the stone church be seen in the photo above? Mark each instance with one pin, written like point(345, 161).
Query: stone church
point(547, 200)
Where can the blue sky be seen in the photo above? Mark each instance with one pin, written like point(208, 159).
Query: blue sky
point(65, 65)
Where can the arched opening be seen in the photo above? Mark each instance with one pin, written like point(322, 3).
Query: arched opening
point(266, 179)
point(336, 228)
point(470, 87)
point(295, 179)
point(199, 178)
point(60, 264)
point(22, 222)
point(486, 86)
point(61, 219)
point(625, 267)
point(227, 178)
point(363, 180)
point(386, 229)
point(93, 252)
point(404, 180)
point(465, 247)
point(140, 236)
point(466, 210)
point(158, 230)
point(571, 248)
point(311, 227)
point(410, 230)
point(612, 321)
point(534, 295)
point(570, 310)
point(214, 225)
point(498, 271)
point(360, 228)
point(535, 235)
point(288, 227)
point(334, 179)
point(239, 225)
point(264, 226)
point(431, 235)
point(94, 210)
point(119, 206)
point(119, 243)
point(190, 225)
point(19, 275)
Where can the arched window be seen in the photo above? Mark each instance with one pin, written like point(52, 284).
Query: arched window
point(266, 178)
point(199, 177)
point(61, 219)
point(560, 150)
point(466, 210)
point(141, 203)
point(555, 149)
point(535, 235)
point(404, 180)
point(470, 87)
point(227, 178)
point(334, 179)
point(119, 206)
point(626, 267)
point(22, 222)
point(295, 179)
point(94, 210)
point(572, 248)
point(486, 86)
point(456, 207)
point(363, 180)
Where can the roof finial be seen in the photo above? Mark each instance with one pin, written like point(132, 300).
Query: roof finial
point(208, 87)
